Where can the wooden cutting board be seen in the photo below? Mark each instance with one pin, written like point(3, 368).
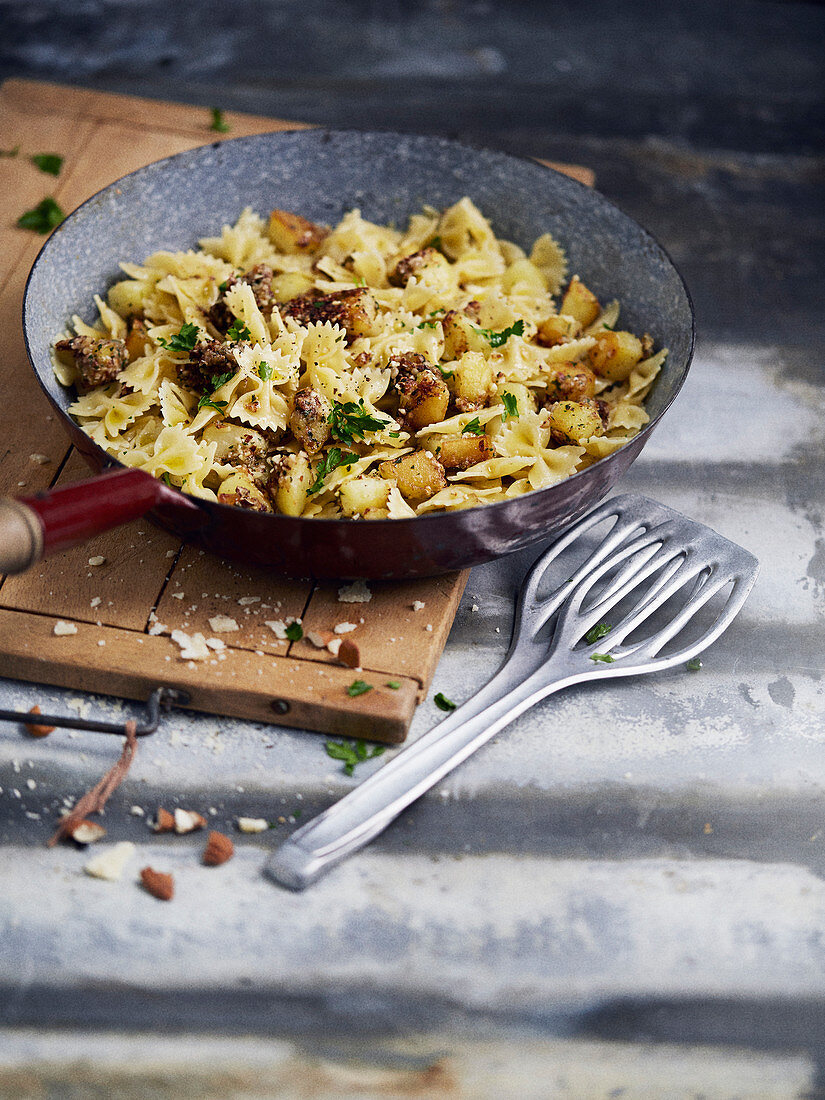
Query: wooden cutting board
point(148, 578)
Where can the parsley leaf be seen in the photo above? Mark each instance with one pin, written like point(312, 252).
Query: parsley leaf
point(42, 218)
point(443, 703)
point(434, 242)
point(219, 123)
point(184, 340)
point(238, 331)
point(604, 657)
point(496, 339)
point(294, 632)
point(166, 479)
point(265, 371)
point(219, 379)
point(48, 162)
point(349, 421)
point(473, 428)
point(444, 372)
point(352, 753)
point(332, 461)
point(510, 406)
point(358, 687)
point(428, 324)
point(694, 664)
point(596, 632)
point(206, 402)
point(10, 152)
point(394, 684)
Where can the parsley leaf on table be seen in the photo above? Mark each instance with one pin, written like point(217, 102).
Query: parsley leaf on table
point(596, 632)
point(219, 123)
point(358, 687)
point(50, 163)
point(352, 753)
point(42, 218)
point(443, 703)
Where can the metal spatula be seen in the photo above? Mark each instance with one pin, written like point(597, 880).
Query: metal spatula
point(653, 593)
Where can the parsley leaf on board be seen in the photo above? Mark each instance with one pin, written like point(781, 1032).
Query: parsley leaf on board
point(496, 339)
point(42, 218)
point(10, 152)
point(394, 684)
point(473, 428)
point(219, 123)
point(331, 462)
point(352, 753)
point(510, 406)
point(358, 687)
point(184, 340)
point(596, 632)
point(50, 163)
point(605, 658)
point(443, 703)
point(349, 421)
point(693, 665)
point(238, 331)
point(294, 631)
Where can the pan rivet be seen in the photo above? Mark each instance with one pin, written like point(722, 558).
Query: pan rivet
point(280, 706)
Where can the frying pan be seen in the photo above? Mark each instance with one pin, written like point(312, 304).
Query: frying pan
point(322, 174)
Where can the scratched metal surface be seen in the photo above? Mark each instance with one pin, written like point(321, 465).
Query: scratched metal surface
point(625, 886)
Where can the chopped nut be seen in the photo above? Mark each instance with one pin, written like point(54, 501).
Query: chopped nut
point(349, 653)
point(62, 629)
point(417, 605)
point(41, 460)
point(192, 648)
point(164, 821)
point(219, 848)
point(109, 863)
point(357, 592)
point(345, 628)
point(158, 884)
point(87, 832)
point(252, 824)
point(187, 821)
point(319, 638)
point(97, 559)
point(223, 624)
point(34, 729)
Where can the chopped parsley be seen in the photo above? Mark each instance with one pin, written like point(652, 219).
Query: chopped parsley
point(42, 218)
point(352, 753)
point(332, 461)
point(50, 163)
point(394, 684)
point(443, 703)
point(219, 123)
point(510, 406)
point(428, 324)
point(434, 242)
point(223, 286)
point(600, 630)
point(166, 479)
point(10, 152)
point(219, 379)
point(265, 371)
point(358, 687)
point(208, 402)
point(444, 372)
point(238, 331)
point(473, 428)
point(693, 665)
point(184, 340)
point(294, 632)
point(604, 657)
point(609, 328)
point(496, 339)
point(349, 421)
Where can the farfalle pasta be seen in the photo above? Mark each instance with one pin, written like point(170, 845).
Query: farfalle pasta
point(360, 371)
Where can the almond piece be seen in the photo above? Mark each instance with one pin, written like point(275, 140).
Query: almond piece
point(158, 884)
point(33, 729)
point(219, 848)
point(164, 822)
point(187, 821)
point(87, 832)
point(349, 654)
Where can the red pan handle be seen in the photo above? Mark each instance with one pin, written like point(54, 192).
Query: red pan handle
point(32, 527)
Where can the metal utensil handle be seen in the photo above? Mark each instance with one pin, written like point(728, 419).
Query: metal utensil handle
point(358, 817)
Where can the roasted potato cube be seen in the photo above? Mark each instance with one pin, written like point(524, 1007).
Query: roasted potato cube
point(291, 233)
point(310, 420)
point(362, 494)
point(127, 297)
point(615, 354)
point(426, 259)
point(556, 330)
point(239, 489)
point(419, 475)
point(571, 382)
point(460, 335)
point(290, 285)
point(459, 452)
point(580, 303)
point(289, 483)
point(575, 420)
point(422, 394)
point(471, 381)
point(354, 310)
